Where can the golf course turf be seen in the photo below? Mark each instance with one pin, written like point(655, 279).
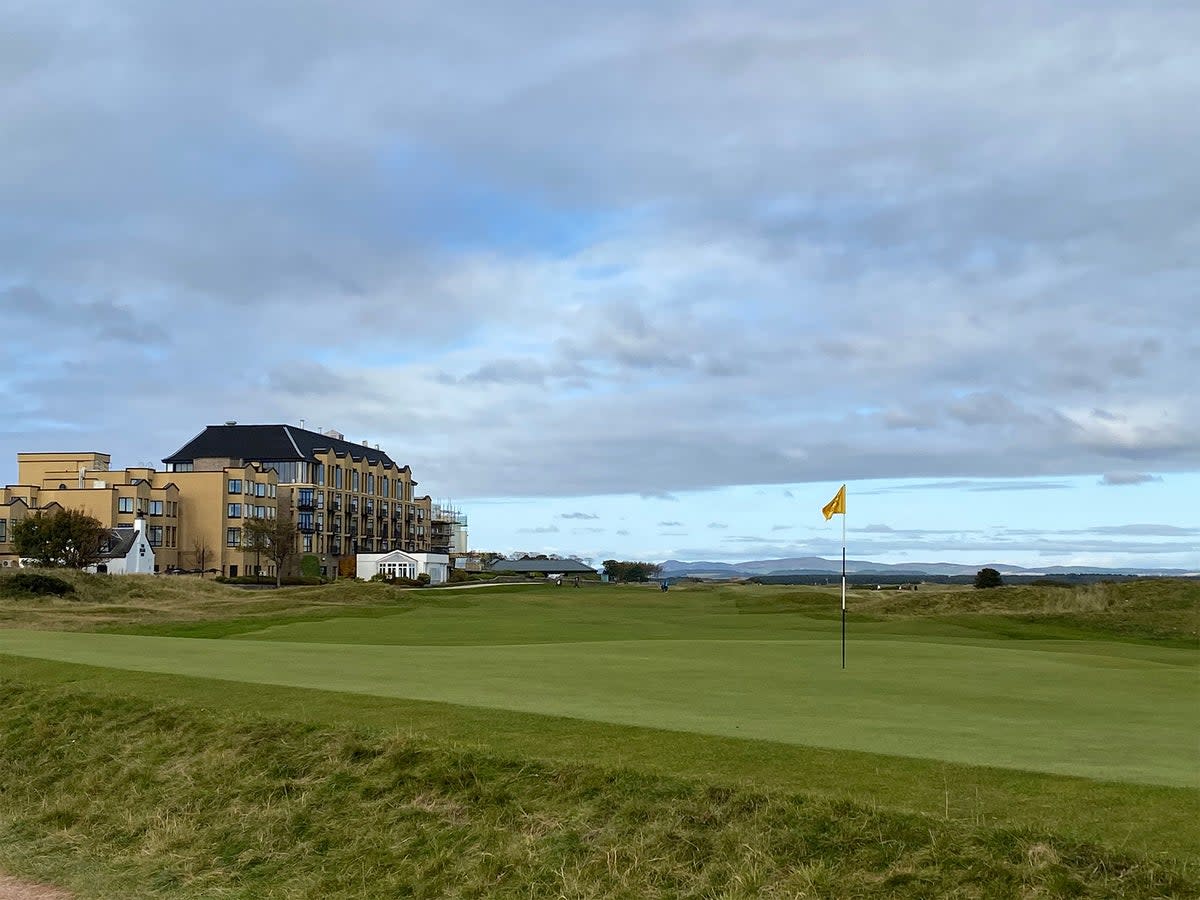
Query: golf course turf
point(949, 715)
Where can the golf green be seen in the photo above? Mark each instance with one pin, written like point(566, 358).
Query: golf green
point(1097, 709)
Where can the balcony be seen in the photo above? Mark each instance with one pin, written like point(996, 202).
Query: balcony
point(305, 505)
point(336, 506)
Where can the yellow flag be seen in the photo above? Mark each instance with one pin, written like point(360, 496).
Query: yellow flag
point(836, 505)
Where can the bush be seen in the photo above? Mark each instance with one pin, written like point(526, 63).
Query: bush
point(33, 583)
point(988, 578)
point(423, 579)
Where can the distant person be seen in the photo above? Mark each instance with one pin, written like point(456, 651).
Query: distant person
point(663, 587)
point(576, 581)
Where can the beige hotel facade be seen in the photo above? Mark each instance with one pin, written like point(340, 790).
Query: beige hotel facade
point(344, 498)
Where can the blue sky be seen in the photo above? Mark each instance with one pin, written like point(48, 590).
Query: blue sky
point(1028, 522)
point(562, 258)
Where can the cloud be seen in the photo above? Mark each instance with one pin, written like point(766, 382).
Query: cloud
point(670, 524)
point(560, 274)
point(1126, 478)
point(718, 525)
point(578, 515)
point(545, 529)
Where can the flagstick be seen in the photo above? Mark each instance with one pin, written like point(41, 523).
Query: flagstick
point(843, 590)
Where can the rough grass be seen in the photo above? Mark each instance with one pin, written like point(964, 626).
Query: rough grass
point(105, 601)
point(122, 798)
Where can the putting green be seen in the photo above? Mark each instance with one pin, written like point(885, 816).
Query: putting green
point(1091, 708)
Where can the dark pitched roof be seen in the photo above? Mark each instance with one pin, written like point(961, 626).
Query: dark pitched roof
point(268, 442)
point(118, 541)
point(540, 565)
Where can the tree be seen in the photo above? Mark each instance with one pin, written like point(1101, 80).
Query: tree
point(273, 538)
point(617, 570)
point(202, 553)
point(69, 538)
point(988, 578)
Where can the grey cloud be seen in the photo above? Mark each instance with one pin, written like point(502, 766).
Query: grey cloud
point(989, 408)
point(578, 515)
point(304, 378)
point(717, 525)
point(1126, 478)
point(545, 529)
point(529, 279)
point(782, 527)
point(103, 318)
point(1147, 530)
point(670, 524)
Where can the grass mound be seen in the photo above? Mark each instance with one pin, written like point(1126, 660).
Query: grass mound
point(117, 797)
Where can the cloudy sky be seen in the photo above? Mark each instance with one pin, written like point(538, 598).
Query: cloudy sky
point(631, 279)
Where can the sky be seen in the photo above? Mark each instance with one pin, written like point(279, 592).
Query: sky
point(626, 279)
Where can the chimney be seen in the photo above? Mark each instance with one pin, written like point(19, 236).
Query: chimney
point(82, 475)
point(301, 423)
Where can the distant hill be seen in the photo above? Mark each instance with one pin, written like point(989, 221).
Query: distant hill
point(816, 565)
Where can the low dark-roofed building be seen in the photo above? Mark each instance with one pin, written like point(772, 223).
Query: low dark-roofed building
point(552, 566)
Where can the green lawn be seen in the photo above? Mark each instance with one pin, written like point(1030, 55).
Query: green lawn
point(1003, 721)
point(1121, 712)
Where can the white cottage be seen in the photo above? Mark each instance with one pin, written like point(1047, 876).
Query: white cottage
point(126, 551)
point(399, 564)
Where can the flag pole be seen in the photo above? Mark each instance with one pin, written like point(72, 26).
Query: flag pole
point(843, 590)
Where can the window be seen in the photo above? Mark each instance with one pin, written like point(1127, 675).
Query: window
point(171, 536)
point(370, 484)
point(385, 486)
point(234, 511)
point(271, 491)
point(260, 490)
point(308, 543)
point(233, 537)
point(156, 507)
point(235, 485)
point(154, 534)
point(181, 467)
point(337, 477)
point(125, 504)
point(354, 480)
point(3, 530)
point(320, 473)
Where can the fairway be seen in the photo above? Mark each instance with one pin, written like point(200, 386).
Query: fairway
point(1103, 710)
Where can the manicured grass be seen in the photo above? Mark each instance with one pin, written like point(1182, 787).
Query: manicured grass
point(125, 798)
point(1125, 716)
point(1146, 818)
point(1070, 712)
point(1114, 711)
